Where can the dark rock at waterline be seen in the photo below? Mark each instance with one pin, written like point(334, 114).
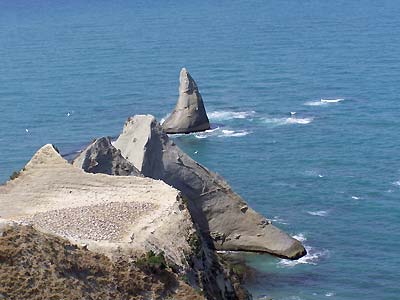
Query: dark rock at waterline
point(221, 214)
point(102, 157)
point(189, 114)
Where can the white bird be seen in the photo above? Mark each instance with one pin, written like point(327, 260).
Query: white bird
point(292, 113)
point(195, 152)
point(26, 129)
point(68, 114)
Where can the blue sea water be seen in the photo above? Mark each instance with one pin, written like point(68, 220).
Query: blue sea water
point(71, 71)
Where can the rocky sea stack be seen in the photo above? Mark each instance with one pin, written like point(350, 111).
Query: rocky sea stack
point(189, 114)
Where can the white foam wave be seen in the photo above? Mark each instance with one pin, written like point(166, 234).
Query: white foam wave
point(323, 102)
point(277, 219)
point(330, 294)
point(313, 173)
point(320, 213)
point(331, 100)
point(228, 115)
point(396, 183)
point(288, 121)
point(232, 133)
point(312, 257)
point(300, 237)
point(355, 197)
point(218, 132)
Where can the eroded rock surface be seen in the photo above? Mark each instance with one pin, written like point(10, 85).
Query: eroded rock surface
point(220, 213)
point(50, 192)
point(114, 215)
point(189, 114)
point(101, 157)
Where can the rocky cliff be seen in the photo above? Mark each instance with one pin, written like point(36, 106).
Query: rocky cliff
point(222, 216)
point(114, 215)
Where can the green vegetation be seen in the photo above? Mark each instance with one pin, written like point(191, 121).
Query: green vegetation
point(152, 262)
point(195, 243)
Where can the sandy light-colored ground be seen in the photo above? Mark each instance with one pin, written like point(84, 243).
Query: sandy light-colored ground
point(105, 212)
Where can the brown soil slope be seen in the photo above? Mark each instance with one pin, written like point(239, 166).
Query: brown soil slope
point(34, 265)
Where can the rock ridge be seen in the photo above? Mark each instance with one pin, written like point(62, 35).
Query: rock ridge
point(220, 213)
point(114, 215)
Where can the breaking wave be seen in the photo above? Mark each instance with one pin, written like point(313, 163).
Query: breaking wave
point(396, 183)
point(319, 213)
point(312, 258)
point(323, 102)
point(232, 133)
point(278, 219)
point(218, 132)
point(288, 121)
point(300, 237)
point(229, 115)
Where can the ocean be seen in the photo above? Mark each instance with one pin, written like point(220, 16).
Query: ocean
point(327, 172)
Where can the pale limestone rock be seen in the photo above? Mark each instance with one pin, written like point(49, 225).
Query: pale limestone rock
point(212, 203)
point(114, 215)
point(189, 114)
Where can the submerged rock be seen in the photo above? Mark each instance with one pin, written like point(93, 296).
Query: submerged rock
point(189, 114)
point(102, 157)
point(220, 213)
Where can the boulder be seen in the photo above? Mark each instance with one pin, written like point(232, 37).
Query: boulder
point(221, 214)
point(102, 157)
point(189, 114)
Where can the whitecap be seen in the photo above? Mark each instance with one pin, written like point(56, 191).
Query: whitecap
point(323, 102)
point(313, 173)
point(319, 213)
point(228, 115)
point(355, 197)
point(288, 121)
point(232, 133)
point(330, 294)
point(397, 183)
point(277, 219)
point(331, 100)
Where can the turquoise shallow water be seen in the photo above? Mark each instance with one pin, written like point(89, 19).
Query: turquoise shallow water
point(330, 175)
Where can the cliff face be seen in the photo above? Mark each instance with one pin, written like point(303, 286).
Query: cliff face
point(220, 213)
point(114, 215)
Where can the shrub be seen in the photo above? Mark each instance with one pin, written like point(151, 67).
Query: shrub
point(152, 261)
